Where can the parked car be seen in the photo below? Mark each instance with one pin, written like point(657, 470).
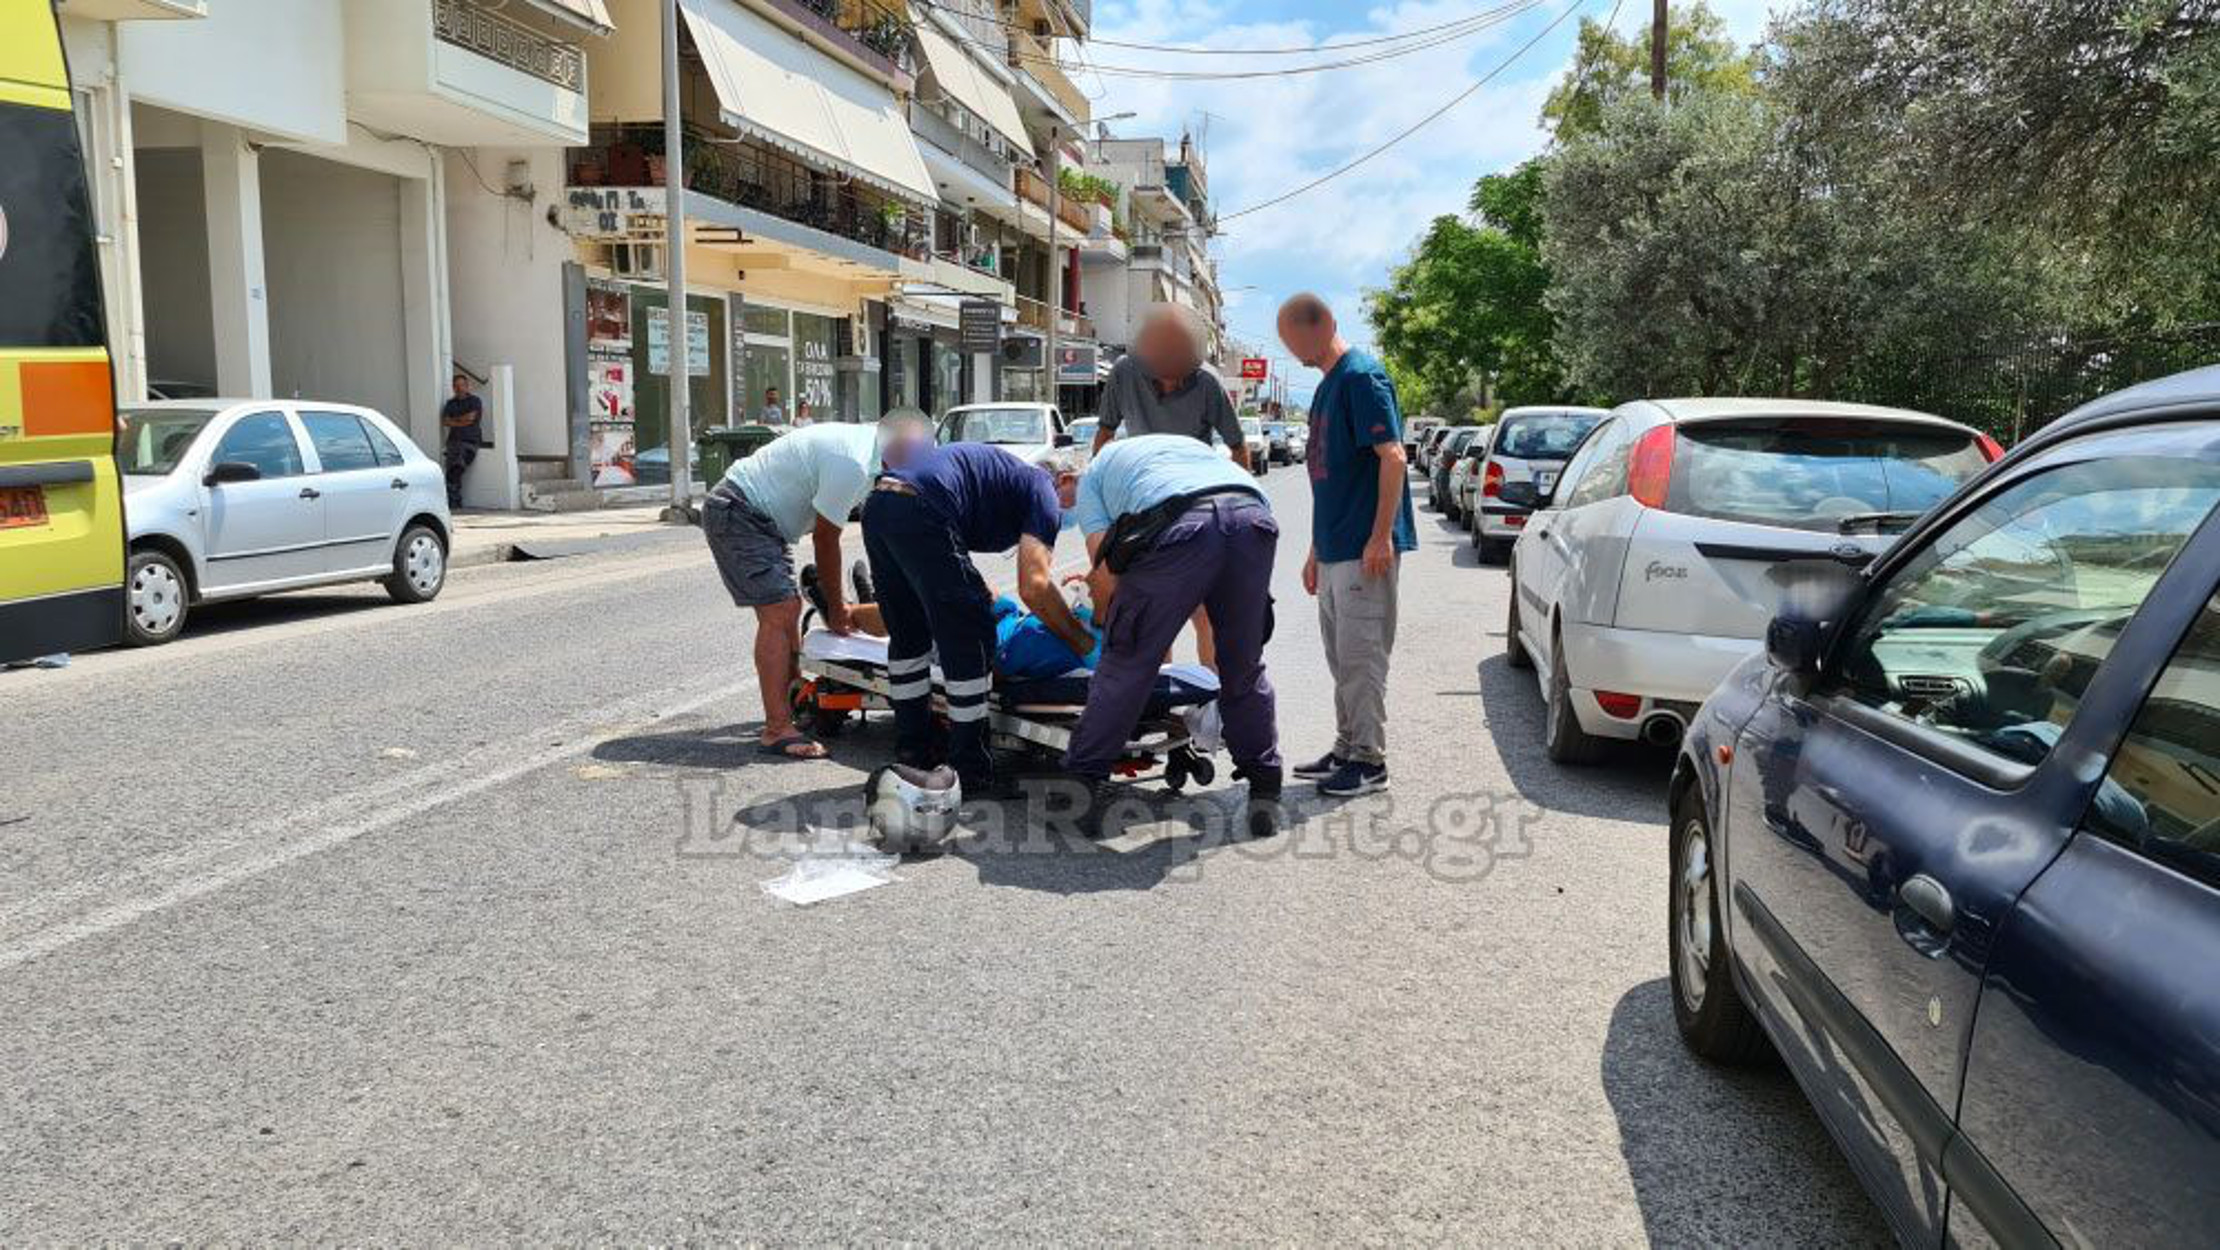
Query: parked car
point(1445, 459)
point(1415, 433)
point(1260, 447)
point(1951, 847)
point(1426, 446)
point(1654, 564)
point(1298, 443)
point(1030, 431)
point(1528, 444)
point(1083, 431)
point(1276, 437)
point(1464, 473)
point(229, 499)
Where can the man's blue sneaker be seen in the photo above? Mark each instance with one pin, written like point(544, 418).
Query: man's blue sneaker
point(1353, 779)
point(1324, 766)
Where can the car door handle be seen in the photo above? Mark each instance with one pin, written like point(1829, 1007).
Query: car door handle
point(310, 492)
point(1926, 898)
point(399, 484)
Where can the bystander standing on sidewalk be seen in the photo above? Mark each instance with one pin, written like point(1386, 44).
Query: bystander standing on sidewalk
point(1361, 523)
point(462, 427)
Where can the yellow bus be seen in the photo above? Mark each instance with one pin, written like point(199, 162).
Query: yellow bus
point(61, 500)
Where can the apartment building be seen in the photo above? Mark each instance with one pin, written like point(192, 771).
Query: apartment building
point(1165, 210)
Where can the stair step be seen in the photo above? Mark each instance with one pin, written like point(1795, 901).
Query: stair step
point(551, 469)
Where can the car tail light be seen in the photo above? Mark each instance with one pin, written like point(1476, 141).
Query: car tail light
point(1649, 467)
point(1515, 520)
point(1616, 705)
point(1491, 480)
point(1991, 450)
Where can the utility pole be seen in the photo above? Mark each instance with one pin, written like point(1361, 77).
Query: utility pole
point(1055, 269)
point(675, 321)
point(1658, 22)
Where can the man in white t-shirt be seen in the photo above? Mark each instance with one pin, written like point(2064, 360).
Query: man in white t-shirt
point(806, 482)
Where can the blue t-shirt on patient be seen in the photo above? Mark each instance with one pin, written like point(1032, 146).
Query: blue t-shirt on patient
point(990, 496)
point(1025, 649)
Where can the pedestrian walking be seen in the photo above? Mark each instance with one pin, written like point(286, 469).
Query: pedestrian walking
point(807, 481)
point(1361, 523)
point(462, 429)
point(921, 525)
point(1172, 528)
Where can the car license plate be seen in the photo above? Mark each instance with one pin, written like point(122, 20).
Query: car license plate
point(22, 507)
point(1545, 481)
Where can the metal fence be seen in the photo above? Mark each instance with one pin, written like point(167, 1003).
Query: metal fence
point(2014, 392)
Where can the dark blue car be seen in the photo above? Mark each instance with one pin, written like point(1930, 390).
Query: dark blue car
point(1952, 846)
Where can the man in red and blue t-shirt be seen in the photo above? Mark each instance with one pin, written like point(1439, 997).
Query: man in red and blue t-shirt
point(1361, 523)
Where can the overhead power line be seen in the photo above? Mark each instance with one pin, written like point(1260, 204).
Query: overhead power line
point(1190, 50)
point(1465, 30)
point(1421, 124)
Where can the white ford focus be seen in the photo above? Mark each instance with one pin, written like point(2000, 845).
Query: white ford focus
point(1662, 552)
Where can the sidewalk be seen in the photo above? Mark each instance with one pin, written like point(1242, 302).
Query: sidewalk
point(497, 537)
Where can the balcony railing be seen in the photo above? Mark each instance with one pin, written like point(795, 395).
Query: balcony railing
point(1033, 314)
point(751, 175)
point(877, 29)
point(509, 43)
point(1073, 214)
point(1036, 59)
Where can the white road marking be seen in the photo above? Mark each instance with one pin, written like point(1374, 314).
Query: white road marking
point(435, 786)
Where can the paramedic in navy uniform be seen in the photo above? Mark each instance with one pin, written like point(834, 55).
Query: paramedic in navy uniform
point(921, 524)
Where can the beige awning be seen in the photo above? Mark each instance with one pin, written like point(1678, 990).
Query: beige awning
point(774, 86)
point(972, 86)
point(594, 13)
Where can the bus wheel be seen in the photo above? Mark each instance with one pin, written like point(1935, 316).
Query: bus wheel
point(155, 599)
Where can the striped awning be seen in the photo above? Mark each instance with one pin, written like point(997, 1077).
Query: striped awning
point(971, 86)
point(779, 89)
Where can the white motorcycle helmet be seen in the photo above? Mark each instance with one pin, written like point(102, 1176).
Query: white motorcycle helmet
point(910, 808)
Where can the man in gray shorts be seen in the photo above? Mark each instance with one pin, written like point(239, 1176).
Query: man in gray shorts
point(805, 482)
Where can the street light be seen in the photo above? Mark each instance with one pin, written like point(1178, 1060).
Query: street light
point(1056, 269)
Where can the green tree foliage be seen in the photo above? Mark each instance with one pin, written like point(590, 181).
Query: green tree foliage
point(1610, 69)
point(1468, 304)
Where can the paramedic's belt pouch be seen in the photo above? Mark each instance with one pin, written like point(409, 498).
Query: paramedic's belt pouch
point(1136, 533)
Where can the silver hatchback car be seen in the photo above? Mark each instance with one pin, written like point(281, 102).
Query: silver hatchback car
point(229, 499)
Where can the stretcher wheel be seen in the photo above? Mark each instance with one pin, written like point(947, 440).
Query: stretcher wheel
point(1201, 769)
point(1176, 772)
point(827, 723)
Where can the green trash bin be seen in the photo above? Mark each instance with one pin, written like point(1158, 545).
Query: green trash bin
point(723, 446)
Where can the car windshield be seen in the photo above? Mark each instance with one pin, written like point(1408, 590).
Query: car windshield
point(1817, 474)
point(1084, 431)
point(1553, 437)
point(1252, 427)
point(155, 439)
point(998, 425)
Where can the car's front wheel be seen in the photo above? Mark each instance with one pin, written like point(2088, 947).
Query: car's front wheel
point(156, 599)
point(1707, 1006)
point(419, 566)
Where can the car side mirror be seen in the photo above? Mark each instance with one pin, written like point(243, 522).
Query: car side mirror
point(1795, 644)
point(1065, 439)
point(224, 471)
point(1521, 495)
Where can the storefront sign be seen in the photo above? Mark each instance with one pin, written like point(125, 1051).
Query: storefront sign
point(816, 376)
point(697, 342)
point(979, 325)
point(1255, 369)
point(616, 212)
point(1075, 366)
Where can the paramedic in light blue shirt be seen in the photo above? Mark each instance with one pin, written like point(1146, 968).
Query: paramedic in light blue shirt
point(1215, 554)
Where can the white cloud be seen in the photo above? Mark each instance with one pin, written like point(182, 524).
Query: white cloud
point(1265, 136)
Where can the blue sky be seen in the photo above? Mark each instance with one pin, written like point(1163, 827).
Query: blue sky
point(1266, 136)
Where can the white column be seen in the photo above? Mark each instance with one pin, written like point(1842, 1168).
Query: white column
point(231, 174)
point(494, 479)
point(428, 310)
point(982, 378)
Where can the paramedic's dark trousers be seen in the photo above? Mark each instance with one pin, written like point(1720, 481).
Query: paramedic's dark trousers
point(933, 598)
point(1218, 556)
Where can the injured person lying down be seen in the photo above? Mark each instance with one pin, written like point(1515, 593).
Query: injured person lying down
point(1025, 648)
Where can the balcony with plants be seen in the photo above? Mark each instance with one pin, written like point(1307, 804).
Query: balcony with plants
point(749, 174)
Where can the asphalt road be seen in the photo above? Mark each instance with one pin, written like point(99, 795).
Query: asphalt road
point(345, 922)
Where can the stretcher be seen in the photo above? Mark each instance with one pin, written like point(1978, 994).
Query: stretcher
point(844, 678)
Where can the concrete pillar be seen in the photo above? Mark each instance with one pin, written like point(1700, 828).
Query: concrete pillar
point(428, 312)
point(982, 378)
point(495, 479)
point(231, 173)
